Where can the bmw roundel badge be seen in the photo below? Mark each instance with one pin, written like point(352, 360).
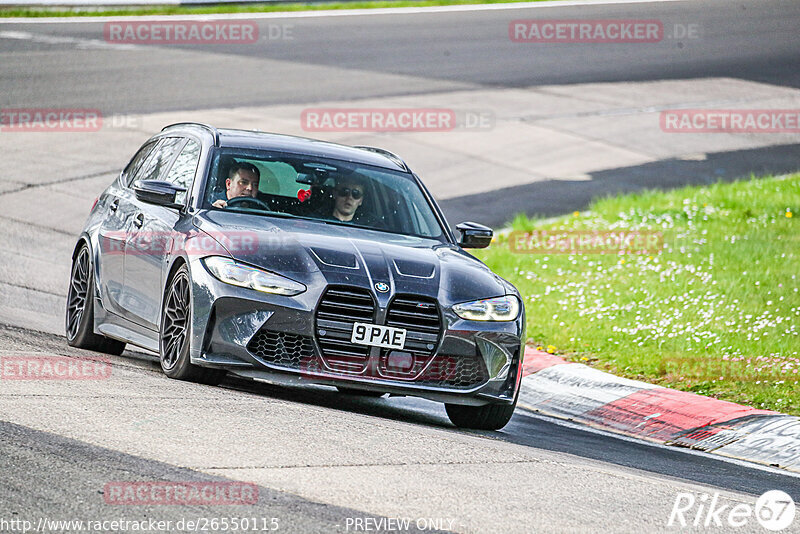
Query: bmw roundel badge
point(382, 287)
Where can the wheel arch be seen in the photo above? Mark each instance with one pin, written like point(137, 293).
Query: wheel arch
point(177, 262)
point(82, 240)
point(85, 240)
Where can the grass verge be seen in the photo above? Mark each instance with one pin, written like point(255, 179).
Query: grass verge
point(715, 312)
point(240, 8)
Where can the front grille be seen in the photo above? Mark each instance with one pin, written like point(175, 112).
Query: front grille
point(281, 349)
point(419, 316)
point(338, 310)
point(460, 372)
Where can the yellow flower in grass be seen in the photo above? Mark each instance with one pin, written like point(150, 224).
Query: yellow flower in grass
point(788, 214)
point(551, 349)
point(540, 348)
point(576, 213)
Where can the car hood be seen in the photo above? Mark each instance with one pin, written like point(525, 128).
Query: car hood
point(307, 250)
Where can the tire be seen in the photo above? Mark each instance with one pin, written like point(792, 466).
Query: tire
point(79, 317)
point(360, 392)
point(487, 417)
point(173, 338)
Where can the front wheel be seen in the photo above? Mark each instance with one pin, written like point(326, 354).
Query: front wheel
point(174, 336)
point(486, 417)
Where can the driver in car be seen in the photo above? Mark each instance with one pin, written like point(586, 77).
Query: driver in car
point(242, 181)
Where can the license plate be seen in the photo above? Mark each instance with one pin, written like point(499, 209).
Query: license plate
point(378, 336)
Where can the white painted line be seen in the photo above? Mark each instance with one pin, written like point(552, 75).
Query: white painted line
point(85, 44)
point(338, 12)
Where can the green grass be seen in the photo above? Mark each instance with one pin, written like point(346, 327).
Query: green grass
point(715, 312)
point(241, 8)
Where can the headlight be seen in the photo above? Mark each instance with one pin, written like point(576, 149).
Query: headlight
point(230, 272)
point(496, 309)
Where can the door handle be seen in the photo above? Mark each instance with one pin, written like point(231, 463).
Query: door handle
point(114, 204)
point(138, 221)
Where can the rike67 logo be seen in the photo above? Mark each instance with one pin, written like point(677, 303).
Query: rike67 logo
point(774, 510)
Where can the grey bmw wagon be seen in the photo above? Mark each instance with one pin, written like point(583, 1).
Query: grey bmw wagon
point(296, 261)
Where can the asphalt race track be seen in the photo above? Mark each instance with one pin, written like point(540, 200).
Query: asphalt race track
point(323, 461)
point(330, 58)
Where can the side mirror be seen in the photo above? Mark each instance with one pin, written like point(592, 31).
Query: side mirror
point(474, 235)
point(158, 192)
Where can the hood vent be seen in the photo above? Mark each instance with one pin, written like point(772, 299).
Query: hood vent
point(335, 258)
point(414, 269)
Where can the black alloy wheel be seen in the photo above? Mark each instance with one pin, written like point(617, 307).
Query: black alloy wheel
point(79, 325)
point(174, 342)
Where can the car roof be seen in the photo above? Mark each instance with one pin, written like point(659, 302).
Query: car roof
point(233, 138)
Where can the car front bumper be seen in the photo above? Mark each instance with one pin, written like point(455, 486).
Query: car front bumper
point(275, 339)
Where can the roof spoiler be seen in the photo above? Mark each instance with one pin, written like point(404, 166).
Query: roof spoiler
point(392, 156)
point(213, 131)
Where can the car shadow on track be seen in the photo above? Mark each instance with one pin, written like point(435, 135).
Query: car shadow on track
point(327, 397)
point(535, 431)
point(547, 434)
point(524, 429)
point(398, 408)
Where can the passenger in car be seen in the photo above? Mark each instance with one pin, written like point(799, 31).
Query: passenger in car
point(349, 195)
point(242, 181)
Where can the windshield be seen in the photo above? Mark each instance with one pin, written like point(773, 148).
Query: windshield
point(331, 191)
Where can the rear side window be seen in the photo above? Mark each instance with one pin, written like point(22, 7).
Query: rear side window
point(156, 166)
point(184, 168)
point(136, 162)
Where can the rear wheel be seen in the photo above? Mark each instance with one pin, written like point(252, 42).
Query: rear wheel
point(360, 392)
point(174, 336)
point(80, 309)
point(487, 417)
